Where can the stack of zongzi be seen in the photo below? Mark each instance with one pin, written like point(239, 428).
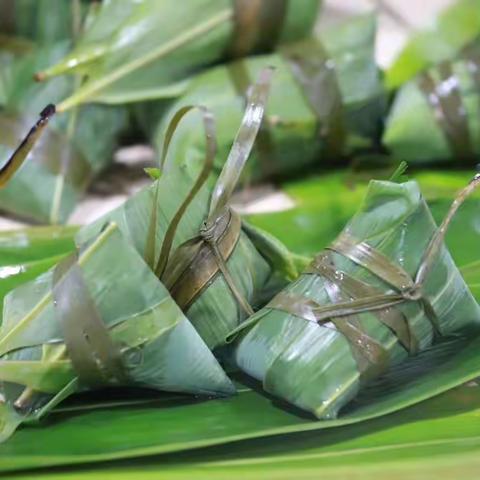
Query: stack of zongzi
point(383, 291)
point(326, 102)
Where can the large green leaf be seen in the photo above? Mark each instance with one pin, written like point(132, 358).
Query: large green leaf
point(434, 439)
point(174, 425)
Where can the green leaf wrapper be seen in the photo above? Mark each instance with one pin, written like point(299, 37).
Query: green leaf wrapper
point(326, 101)
point(51, 338)
point(320, 363)
point(132, 47)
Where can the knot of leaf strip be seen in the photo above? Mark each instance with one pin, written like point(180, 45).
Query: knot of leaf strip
point(195, 264)
point(413, 293)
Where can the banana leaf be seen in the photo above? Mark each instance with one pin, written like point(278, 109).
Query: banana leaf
point(434, 117)
point(455, 27)
point(326, 101)
point(132, 48)
point(68, 157)
point(366, 305)
point(82, 326)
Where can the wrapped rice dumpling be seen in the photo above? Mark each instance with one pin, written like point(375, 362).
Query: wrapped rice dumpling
point(100, 318)
point(383, 291)
point(326, 101)
point(132, 48)
point(68, 156)
point(435, 116)
point(216, 267)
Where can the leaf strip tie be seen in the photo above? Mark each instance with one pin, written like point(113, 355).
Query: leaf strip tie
point(258, 25)
point(264, 144)
point(371, 357)
point(471, 53)
point(195, 266)
point(371, 259)
point(95, 358)
point(356, 289)
point(211, 150)
point(316, 75)
point(446, 101)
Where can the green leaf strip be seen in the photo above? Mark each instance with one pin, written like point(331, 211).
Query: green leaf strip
point(264, 144)
point(211, 150)
point(315, 73)
point(20, 154)
point(445, 99)
point(95, 358)
point(257, 26)
point(242, 146)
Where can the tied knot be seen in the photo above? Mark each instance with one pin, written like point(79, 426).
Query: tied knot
point(208, 232)
point(413, 293)
point(213, 228)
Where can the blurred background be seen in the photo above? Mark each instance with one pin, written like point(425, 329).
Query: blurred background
point(397, 21)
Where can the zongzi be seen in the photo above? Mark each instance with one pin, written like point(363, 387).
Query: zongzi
point(435, 116)
point(133, 48)
point(383, 291)
point(215, 265)
point(100, 318)
point(326, 102)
